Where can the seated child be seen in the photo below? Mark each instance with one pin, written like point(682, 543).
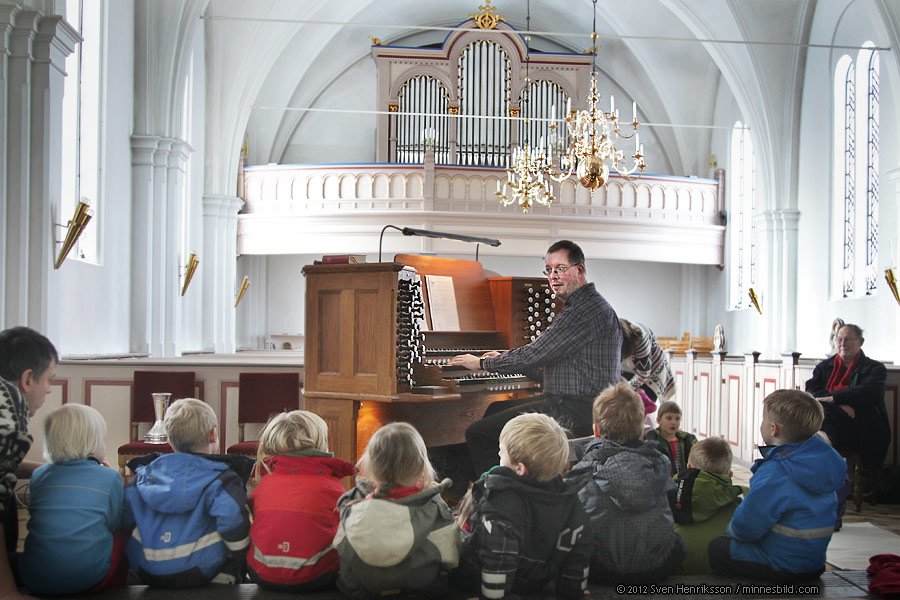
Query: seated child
point(623, 484)
point(674, 443)
point(294, 520)
point(396, 533)
point(782, 528)
point(75, 508)
point(522, 528)
point(703, 501)
point(187, 500)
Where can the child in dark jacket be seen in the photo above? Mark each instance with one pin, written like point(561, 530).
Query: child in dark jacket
point(703, 501)
point(293, 507)
point(781, 530)
point(522, 527)
point(623, 484)
point(673, 442)
point(396, 532)
point(188, 511)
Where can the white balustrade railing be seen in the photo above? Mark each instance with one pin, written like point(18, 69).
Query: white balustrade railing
point(291, 208)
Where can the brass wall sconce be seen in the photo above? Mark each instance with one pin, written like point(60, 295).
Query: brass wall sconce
point(755, 300)
point(892, 283)
point(244, 285)
point(189, 270)
point(80, 219)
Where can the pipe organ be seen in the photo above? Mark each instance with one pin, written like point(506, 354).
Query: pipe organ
point(456, 99)
point(373, 358)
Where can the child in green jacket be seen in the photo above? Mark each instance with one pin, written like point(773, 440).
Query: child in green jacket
point(674, 443)
point(704, 501)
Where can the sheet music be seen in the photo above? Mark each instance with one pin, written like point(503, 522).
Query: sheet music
point(442, 303)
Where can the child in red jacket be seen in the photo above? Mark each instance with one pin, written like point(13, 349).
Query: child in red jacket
point(294, 520)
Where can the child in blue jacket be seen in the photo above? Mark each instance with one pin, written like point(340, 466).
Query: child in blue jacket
point(188, 511)
point(781, 530)
point(75, 508)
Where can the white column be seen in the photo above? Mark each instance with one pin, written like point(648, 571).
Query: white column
point(143, 149)
point(779, 251)
point(7, 14)
point(218, 265)
point(177, 159)
point(54, 41)
point(17, 153)
point(786, 335)
point(157, 182)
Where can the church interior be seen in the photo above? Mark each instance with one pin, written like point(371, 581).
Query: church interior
point(173, 171)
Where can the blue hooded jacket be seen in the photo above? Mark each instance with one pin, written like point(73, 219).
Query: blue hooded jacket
point(186, 510)
point(787, 518)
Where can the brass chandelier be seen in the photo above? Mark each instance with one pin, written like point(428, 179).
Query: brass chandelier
point(525, 184)
point(594, 133)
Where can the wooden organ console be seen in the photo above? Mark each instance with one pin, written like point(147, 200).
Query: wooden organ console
point(372, 358)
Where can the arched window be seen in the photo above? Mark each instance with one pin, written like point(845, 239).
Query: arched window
point(428, 99)
point(742, 199)
point(484, 91)
point(855, 167)
point(544, 99)
point(82, 125)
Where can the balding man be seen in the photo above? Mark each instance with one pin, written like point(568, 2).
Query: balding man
point(578, 355)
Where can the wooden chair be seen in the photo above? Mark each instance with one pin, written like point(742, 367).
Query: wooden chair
point(178, 383)
point(854, 471)
point(260, 395)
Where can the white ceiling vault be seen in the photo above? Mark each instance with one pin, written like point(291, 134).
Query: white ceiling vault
point(694, 67)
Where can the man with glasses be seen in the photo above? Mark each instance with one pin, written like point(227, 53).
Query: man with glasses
point(578, 356)
point(850, 386)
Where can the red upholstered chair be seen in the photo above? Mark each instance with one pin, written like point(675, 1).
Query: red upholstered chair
point(178, 383)
point(261, 395)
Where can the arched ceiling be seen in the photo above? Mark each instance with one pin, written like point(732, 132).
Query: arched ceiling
point(678, 84)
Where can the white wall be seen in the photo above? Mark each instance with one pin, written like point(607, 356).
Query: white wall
point(94, 299)
point(817, 306)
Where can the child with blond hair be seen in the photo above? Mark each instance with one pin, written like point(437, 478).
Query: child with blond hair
point(781, 530)
point(294, 520)
point(704, 501)
point(522, 527)
point(623, 482)
point(674, 443)
point(396, 533)
point(188, 509)
point(75, 509)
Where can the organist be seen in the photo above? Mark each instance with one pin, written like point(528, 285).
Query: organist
point(578, 356)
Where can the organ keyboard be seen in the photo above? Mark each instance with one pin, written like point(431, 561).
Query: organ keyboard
point(372, 358)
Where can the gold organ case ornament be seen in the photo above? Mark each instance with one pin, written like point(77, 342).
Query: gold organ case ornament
point(393, 107)
point(488, 17)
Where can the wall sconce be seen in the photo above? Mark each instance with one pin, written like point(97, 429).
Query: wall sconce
point(892, 283)
point(189, 270)
point(80, 219)
point(244, 285)
point(755, 300)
